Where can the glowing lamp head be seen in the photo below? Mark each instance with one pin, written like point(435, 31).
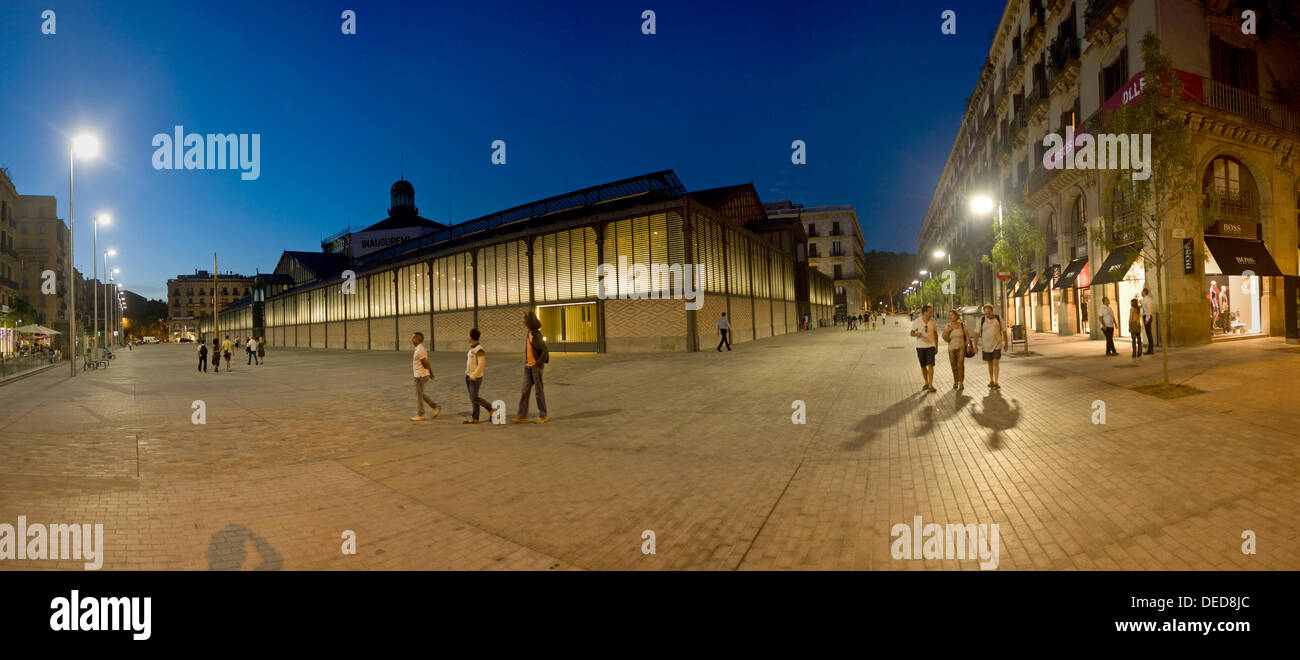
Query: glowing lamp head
point(982, 204)
point(85, 146)
point(939, 254)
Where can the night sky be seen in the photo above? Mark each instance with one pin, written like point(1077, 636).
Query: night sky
point(579, 95)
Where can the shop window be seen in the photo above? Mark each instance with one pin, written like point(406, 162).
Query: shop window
point(1229, 184)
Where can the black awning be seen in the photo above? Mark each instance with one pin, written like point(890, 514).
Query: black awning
point(1043, 283)
point(1116, 265)
point(1071, 273)
point(1236, 256)
point(1023, 287)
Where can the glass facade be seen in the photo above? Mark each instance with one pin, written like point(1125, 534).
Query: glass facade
point(562, 279)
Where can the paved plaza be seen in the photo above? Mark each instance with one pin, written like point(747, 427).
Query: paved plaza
point(697, 447)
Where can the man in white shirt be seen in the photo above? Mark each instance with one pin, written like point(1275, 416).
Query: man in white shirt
point(252, 351)
point(724, 329)
point(926, 332)
point(991, 337)
point(1146, 319)
point(423, 372)
point(1106, 317)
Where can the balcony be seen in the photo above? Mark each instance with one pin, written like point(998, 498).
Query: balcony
point(1124, 227)
point(1101, 18)
point(1039, 101)
point(6, 282)
point(1036, 33)
point(1063, 60)
point(1021, 130)
point(1231, 99)
point(9, 251)
point(1015, 70)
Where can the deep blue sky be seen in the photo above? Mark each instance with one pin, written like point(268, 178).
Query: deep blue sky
point(580, 96)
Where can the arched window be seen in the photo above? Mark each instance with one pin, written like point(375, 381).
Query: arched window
point(1079, 226)
point(1229, 183)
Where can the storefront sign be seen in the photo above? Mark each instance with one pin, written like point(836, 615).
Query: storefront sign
point(1233, 229)
point(1189, 257)
point(1193, 90)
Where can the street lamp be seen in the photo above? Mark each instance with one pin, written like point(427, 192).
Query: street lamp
point(95, 222)
point(981, 205)
point(108, 278)
point(85, 146)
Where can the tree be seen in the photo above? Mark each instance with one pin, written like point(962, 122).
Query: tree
point(1017, 242)
point(1165, 199)
point(888, 274)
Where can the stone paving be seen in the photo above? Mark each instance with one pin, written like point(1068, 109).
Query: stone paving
point(699, 448)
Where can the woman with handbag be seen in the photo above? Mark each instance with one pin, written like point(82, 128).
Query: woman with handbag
point(959, 348)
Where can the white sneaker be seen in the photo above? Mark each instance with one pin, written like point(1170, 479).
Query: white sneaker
point(418, 418)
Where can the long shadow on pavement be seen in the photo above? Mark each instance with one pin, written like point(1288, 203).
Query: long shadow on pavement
point(871, 425)
point(998, 415)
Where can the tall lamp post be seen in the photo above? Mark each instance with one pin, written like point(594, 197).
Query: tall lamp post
point(95, 222)
point(85, 146)
point(981, 205)
point(107, 254)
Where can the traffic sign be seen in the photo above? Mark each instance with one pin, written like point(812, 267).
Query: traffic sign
point(1004, 274)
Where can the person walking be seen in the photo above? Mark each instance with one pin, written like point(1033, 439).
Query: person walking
point(252, 351)
point(536, 355)
point(925, 330)
point(724, 329)
point(423, 373)
point(991, 337)
point(226, 347)
point(203, 357)
point(261, 350)
point(1106, 317)
point(955, 334)
point(475, 361)
point(1135, 326)
point(216, 355)
point(1147, 317)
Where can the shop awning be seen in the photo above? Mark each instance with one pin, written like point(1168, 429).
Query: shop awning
point(1023, 287)
point(1043, 282)
point(1236, 256)
point(36, 330)
point(1071, 273)
point(1116, 265)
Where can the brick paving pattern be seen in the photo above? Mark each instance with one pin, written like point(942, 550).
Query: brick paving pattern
point(699, 448)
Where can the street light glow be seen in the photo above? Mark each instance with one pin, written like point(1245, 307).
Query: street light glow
point(923, 271)
point(85, 146)
point(939, 254)
point(110, 252)
point(981, 204)
point(104, 219)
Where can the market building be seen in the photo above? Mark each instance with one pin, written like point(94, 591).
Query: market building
point(1059, 66)
point(546, 257)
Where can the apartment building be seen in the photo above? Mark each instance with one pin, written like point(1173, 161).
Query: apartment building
point(835, 247)
point(42, 246)
point(190, 299)
point(1061, 65)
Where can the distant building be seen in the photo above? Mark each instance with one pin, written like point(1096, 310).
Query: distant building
point(835, 247)
point(10, 267)
point(190, 298)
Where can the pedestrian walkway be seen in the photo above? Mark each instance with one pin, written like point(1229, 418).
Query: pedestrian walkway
point(698, 448)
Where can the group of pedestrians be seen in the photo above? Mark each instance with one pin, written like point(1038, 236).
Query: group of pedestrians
point(989, 338)
point(1140, 317)
point(254, 347)
point(536, 356)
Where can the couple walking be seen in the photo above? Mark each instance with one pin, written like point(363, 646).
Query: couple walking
point(1140, 317)
point(990, 337)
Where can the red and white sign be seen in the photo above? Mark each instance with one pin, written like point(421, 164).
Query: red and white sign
point(1004, 274)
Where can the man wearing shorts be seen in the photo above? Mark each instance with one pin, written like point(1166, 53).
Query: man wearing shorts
point(991, 337)
point(926, 332)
